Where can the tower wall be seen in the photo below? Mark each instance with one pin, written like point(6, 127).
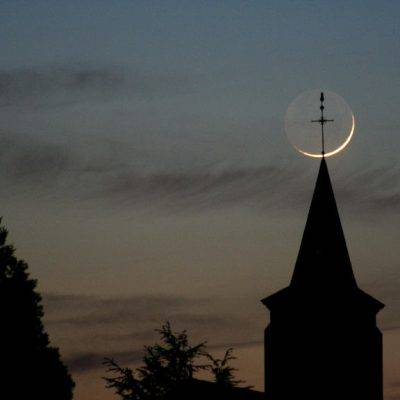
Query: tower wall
point(319, 356)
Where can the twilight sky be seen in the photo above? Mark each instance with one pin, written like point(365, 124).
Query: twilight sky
point(146, 175)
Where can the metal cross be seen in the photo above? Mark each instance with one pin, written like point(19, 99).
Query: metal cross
point(322, 121)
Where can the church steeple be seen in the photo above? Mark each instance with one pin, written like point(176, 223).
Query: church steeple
point(323, 260)
point(322, 340)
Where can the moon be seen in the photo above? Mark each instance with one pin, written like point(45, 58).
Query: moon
point(337, 150)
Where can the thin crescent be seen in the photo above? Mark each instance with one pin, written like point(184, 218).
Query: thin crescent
point(340, 148)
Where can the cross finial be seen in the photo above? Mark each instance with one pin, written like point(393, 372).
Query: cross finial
point(322, 120)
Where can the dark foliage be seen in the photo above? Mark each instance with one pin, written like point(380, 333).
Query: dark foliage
point(222, 372)
point(30, 368)
point(166, 365)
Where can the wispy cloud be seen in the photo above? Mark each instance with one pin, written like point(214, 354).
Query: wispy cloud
point(199, 190)
point(62, 85)
point(67, 167)
point(84, 362)
point(32, 161)
point(108, 174)
point(372, 189)
point(142, 174)
point(119, 327)
point(53, 85)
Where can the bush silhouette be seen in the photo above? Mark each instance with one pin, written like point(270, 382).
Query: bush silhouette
point(30, 367)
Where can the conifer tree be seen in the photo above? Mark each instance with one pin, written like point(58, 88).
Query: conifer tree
point(221, 370)
point(29, 367)
point(165, 366)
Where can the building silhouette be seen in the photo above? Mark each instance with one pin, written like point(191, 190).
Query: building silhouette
point(322, 341)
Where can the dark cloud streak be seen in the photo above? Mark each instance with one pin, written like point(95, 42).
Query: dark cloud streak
point(84, 362)
point(199, 190)
point(66, 85)
point(66, 169)
point(119, 327)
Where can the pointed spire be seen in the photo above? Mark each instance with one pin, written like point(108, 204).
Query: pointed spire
point(323, 261)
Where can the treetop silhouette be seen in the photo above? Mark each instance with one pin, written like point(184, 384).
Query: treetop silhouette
point(167, 365)
point(30, 367)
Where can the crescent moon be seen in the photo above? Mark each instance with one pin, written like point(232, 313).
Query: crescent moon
point(333, 152)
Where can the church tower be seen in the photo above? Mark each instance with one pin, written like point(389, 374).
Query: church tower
point(322, 341)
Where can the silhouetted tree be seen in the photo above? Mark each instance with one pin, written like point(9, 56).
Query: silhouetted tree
point(222, 372)
point(165, 366)
point(30, 368)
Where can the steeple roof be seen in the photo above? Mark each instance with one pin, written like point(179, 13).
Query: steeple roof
point(323, 271)
point(323, 260)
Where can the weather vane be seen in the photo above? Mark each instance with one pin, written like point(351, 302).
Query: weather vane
point(322, 120)
point(307, 141)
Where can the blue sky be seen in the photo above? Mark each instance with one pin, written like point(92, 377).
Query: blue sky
point(143, 139)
